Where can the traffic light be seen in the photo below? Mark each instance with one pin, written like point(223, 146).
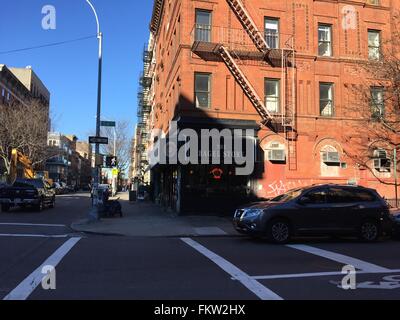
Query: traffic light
point(111, 162)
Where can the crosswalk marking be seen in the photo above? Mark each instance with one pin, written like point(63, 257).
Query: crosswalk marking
point(30, 283)
point(253, 285)
point(358, 264)
point(318, 274)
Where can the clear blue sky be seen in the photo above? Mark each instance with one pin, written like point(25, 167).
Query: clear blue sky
point(70, 71)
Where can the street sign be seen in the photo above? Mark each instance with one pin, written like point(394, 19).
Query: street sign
point(108, 123)
point(99, 140)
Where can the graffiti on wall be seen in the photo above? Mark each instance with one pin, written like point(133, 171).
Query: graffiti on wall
point(279, 187)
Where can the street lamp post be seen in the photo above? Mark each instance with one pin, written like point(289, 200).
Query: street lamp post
point(94, 214)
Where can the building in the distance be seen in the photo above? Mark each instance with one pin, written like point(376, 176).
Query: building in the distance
point(290, 71)
point(11, 88)
point(84, 150)
point(71, 162)
point(33, 83)
point(59, 165)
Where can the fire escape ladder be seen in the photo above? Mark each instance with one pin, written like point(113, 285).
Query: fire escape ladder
point(249, 25)
point(289, 112)
point(246, 85)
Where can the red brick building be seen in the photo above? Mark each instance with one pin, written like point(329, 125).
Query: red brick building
point(287, 67)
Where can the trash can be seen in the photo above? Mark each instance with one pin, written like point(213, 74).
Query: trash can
point(132, 195)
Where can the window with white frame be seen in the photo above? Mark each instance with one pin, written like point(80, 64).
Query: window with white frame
point(272, 32)
point(203, 25)
point(374, 44)
point(324, 40)
point(272, 96)
point(326, 102)
point(202, 90)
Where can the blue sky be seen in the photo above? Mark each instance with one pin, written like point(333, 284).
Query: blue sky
point(70, 71)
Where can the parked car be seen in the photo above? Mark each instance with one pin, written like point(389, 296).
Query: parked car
point(27, 192)
point(317, 210)
point(64, 189)
point(396, 219)
point(57, 188)
point(71, 189)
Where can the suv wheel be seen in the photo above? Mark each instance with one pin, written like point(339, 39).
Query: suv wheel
point(278, 231)
point(369, 231)
point(5, 207)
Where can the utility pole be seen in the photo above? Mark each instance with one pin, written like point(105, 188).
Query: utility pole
point(94, 214)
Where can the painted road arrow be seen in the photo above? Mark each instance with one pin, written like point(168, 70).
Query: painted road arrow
point(381, 285)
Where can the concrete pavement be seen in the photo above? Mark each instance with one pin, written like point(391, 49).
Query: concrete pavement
point(145, 219)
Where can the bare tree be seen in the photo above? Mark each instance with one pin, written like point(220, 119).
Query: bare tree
point(24, 127)
point(375, 102)
point(122, 144)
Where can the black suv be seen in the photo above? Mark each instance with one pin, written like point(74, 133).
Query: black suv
point(317, 210)
point(27, 192)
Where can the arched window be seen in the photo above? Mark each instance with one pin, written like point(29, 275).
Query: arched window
point(330, 156)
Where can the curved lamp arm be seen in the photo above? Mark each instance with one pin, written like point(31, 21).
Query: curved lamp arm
point(95, 14)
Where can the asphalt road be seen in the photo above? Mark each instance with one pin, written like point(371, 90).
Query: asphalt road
point(205, 268)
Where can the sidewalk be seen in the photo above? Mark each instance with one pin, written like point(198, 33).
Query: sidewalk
point(145, 219)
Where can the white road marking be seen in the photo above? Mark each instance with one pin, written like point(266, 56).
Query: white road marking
point(17, 235)
point(33, 225)
point(29, 284)
point(253, 285)
point(317, 274)
point(358, 264)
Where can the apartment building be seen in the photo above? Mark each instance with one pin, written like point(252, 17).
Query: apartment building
point(84, 150)
point(71, 162)
point(288, 70)
point(11, 89)
point(33, 84)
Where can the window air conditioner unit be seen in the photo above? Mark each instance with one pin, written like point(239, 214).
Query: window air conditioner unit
point(382, 164)
point(380, 154)
point(331, 157)
point(276, 155)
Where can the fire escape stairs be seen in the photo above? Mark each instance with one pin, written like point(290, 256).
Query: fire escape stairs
point(249, 25)
point(246, 86)
point(288, 123)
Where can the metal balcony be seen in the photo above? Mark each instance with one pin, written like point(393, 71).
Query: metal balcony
point(147, 56)
point(206, 41)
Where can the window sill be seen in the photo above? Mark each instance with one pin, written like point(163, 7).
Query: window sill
point(326, 58)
